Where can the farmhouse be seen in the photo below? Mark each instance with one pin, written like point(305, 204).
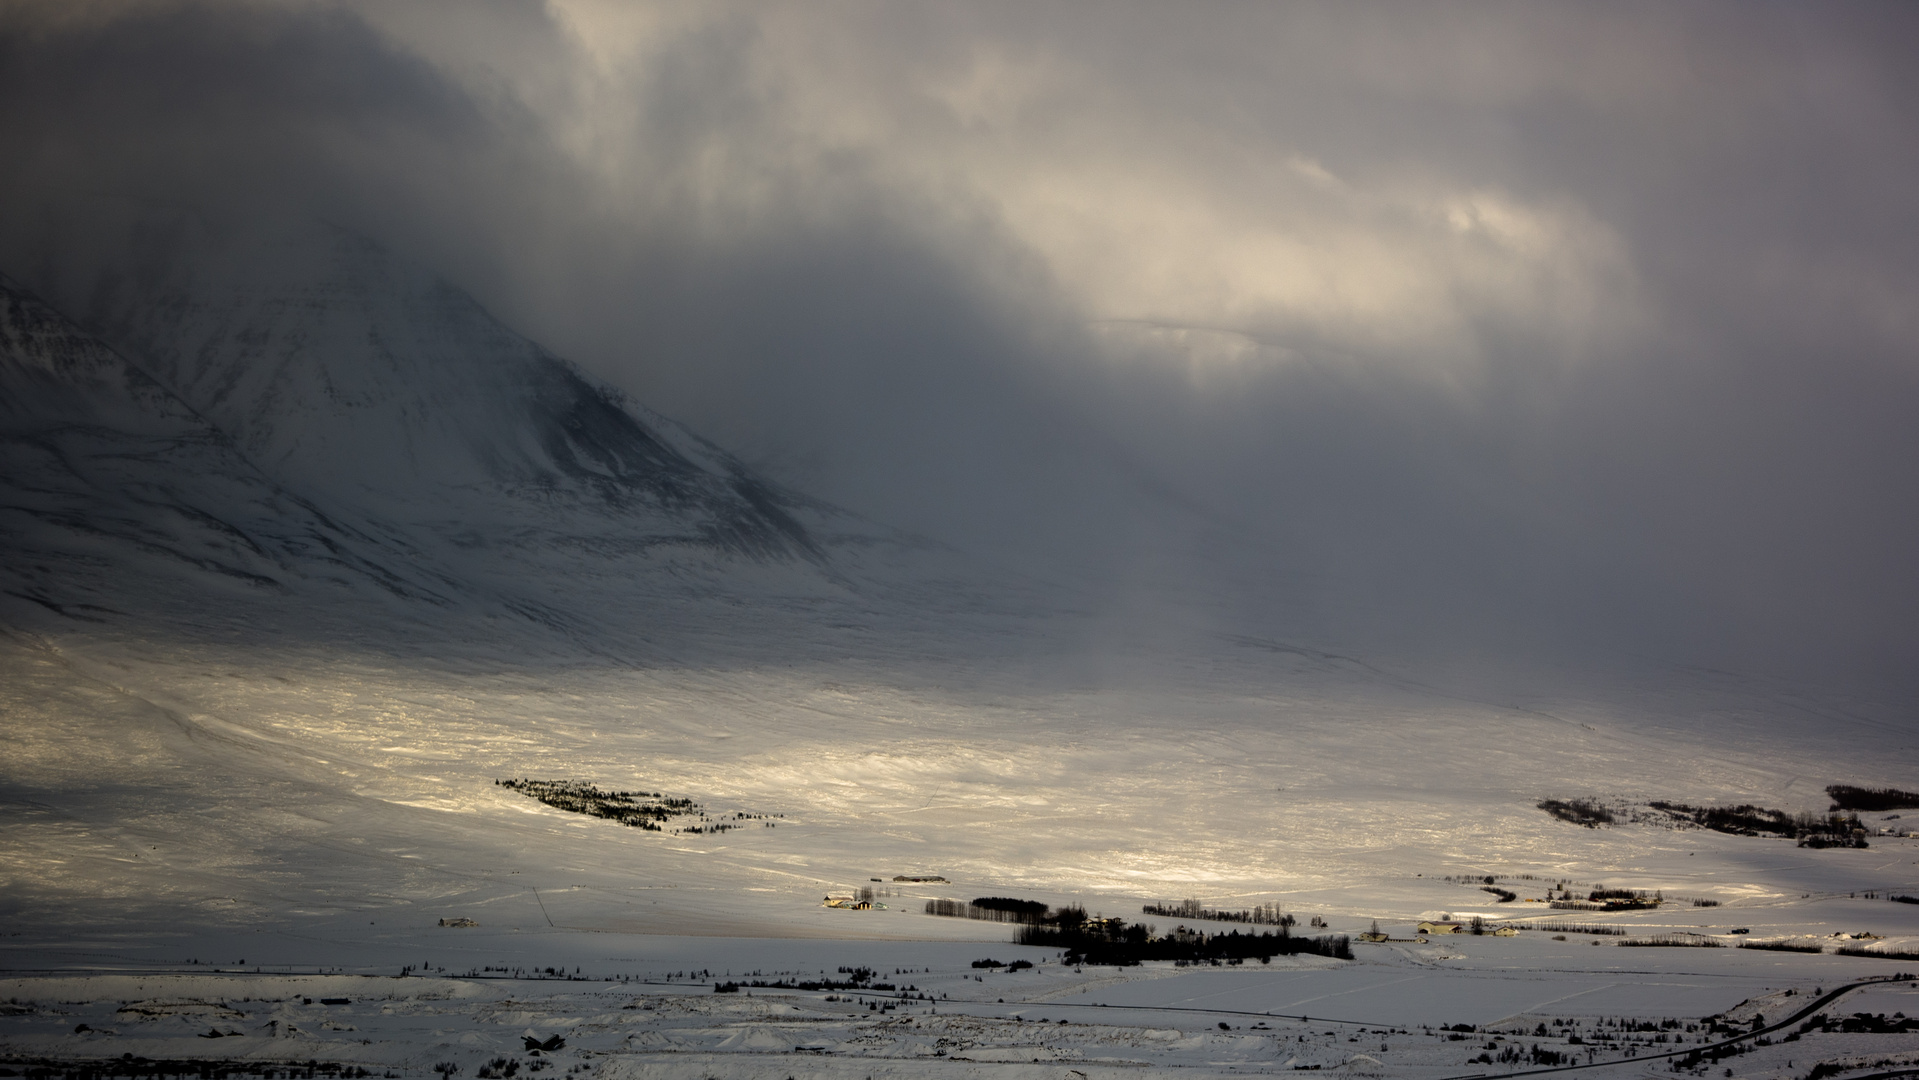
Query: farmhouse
point(1435, 927)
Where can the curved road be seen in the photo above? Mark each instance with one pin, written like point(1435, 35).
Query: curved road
point(1701, 1048)
point(1706, 1048)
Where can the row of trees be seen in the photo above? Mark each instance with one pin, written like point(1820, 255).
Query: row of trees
point(1576, 928)
point(1871, 800)
point(995, 909)
point(1260, 915)
point(1116, 942)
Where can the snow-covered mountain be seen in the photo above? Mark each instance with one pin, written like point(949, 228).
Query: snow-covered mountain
point(109, 483)
point(304, 409)
point(345, 372)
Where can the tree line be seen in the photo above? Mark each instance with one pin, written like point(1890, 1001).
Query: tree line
point(1116, 942)
point(991, 909)
point(1260, 915)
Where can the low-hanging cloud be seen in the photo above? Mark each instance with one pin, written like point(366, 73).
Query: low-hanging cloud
point(1464, 323)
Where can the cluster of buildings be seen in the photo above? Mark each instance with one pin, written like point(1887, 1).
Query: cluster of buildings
point(1436, 926)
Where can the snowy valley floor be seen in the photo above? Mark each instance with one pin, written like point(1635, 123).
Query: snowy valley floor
point(201, 840)
point(633, 1009)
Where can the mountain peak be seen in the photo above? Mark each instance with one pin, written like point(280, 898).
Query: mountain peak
point(347, 372)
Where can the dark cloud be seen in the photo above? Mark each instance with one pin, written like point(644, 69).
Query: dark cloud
point(1469, 326)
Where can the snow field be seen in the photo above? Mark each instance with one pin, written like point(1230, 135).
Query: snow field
point(1149, 1018)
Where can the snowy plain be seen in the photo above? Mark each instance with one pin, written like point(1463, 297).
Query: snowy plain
point(201, 807)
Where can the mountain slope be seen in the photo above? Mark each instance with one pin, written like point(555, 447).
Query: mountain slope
point(347, 373)
point(109, 484)
point(301, 407)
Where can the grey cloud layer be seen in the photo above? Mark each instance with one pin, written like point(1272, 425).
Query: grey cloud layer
point(1460, 323)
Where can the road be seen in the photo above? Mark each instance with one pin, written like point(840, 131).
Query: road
point(1707, 1048)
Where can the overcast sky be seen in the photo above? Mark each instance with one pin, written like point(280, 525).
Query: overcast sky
point(1588, 320)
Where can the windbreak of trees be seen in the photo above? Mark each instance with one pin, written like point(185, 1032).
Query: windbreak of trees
point(1025, 910)
point(1872, 800)
point(1783, 946)
point(1260, 915)
point(1555, 927)
point(1093, 940)
point(1118, 943)
point(1878, 954)
point(856, 978)
point(991, 909)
